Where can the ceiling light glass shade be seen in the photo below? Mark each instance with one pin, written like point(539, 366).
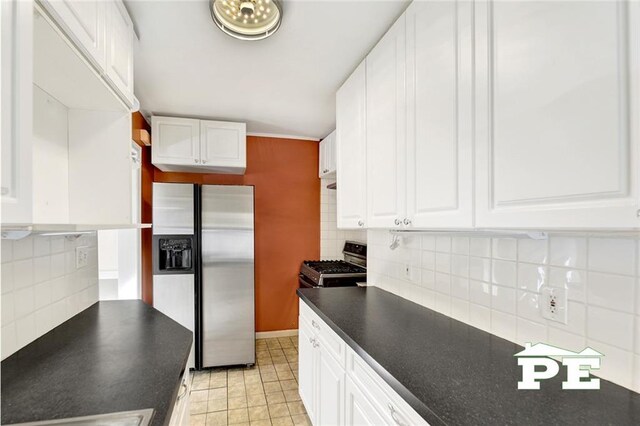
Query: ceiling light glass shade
point(247, 19)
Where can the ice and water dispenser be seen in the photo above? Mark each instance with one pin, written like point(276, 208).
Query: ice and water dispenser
point(173, 254)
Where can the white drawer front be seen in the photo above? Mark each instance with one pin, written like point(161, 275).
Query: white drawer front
point(328, 338)
point(395, 409)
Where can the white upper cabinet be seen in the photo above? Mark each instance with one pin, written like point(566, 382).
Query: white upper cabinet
point(119, 48)
point(15, 111)
point(557, 114)
point(84, 22)
point(386, 130)
point(327, 157)
point(223, 145)
point(351, 151)
point(187, 144)
point(439, 158)
point(175, 141)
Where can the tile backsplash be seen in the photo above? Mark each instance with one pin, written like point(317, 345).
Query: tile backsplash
point(495, 284)
point(331, 238)
point(41, 286)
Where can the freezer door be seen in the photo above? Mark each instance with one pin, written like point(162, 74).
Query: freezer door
point(228, 328)
point(173, 208)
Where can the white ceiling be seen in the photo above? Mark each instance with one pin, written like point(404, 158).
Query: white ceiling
point(286, 84)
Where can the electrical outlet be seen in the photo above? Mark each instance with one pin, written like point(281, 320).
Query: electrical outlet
point(553, 304)
point(410, 273)
point(82, 257)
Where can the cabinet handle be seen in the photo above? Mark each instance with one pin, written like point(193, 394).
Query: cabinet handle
point(182, 395)
point(398, 222)
point(407, 221)
point(196, 161)
point(360, 223)
point(394, 415)
point(312, 340)
point(204, 161)
point(315, 343)
point(315, 324)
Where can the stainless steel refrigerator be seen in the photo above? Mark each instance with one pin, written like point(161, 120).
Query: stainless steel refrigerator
point(220, 260)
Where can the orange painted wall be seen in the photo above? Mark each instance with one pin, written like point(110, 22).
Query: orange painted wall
point(287, 220)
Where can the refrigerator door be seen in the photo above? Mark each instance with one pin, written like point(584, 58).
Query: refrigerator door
point(228, 325)
point(173, 208)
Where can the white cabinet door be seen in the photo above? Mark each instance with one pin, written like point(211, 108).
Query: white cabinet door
point(306, 368)
point(351, 150)
point(359, 411)
point(223, 144)
point(119, 35)
point(439, 114)
point(330, 389)
point(175, 141)
point(84, 22)
point(557, 109)
point(386, 128)
point(16, 110)
point(327, 156)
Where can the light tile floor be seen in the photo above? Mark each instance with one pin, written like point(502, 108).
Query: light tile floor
point(265, 394)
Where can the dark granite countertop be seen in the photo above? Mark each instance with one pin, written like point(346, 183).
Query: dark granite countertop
point(114, 356)
point(455, 374)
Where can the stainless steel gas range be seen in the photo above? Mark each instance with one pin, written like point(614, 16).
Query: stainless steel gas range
point(336, 273)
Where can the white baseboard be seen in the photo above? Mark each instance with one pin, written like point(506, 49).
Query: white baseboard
point(277, 333)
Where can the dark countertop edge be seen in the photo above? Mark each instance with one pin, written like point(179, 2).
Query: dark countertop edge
point(425, 412)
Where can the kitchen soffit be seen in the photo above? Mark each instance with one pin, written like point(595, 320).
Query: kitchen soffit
point(285, 84)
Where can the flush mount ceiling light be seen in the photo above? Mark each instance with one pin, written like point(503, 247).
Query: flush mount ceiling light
point(247, 19)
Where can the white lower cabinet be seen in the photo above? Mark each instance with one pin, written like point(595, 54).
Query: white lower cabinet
point(182, 407)
point(337, 387)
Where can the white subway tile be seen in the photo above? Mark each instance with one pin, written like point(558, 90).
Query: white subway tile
point(636, 372)
point(565, 340)
point(480, 293)
point(443, 262)
point(531, 277)
point(57, 265)
point(428, 242)
point(42, 294)
point(443, 283)
point(460, 265)
point(429, 260)
point(576, 319)
point(7, 281)
point(460, 287)
point(503, 325)
point(503, 299)
point(505, 248)
point(613, 255)
point(443, 304)
point(41, 269)
point(41, 246)
point(460, 309)
point(533, 251)
point(610, 327)
point(569, 252)
point(23, 248)
point(25, 330)
point(637, 339)
point(571, 279)
point(503, 273)
point(57, 244)
point(529, 306)
point(480, 268)
point(8, 308)
point(480, 317)
point(480, 247)
point(6, 251)
point(611, 291)
point(9, 340)
point(460, 245)
point(24, 302)
point(428, 279)
point(616, 365)
point(22, 273)
point(530, 332)
point(443, 244)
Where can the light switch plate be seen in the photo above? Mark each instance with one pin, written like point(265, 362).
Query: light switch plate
point(82, 257)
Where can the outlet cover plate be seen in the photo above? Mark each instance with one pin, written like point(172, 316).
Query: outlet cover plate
point(553, 304)
point(82, 257)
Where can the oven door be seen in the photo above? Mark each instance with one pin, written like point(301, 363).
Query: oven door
point(305, 282)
